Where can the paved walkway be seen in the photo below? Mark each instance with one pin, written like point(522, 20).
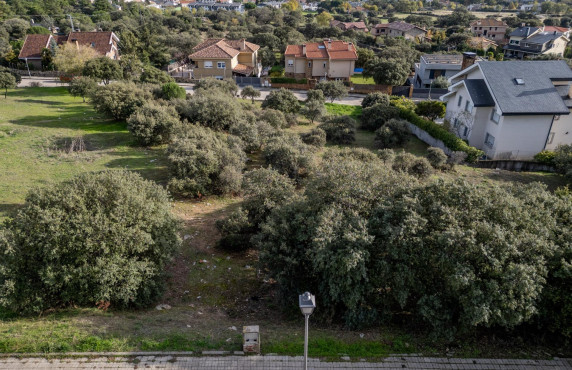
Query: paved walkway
point(273, 363)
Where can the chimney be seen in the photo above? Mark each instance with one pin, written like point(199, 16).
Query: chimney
point(468, 59)
point(304, 49)
point(523, 24)
point(329, 44)
point(243, 44)
point(350, 46)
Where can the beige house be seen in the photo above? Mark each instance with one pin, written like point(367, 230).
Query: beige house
point(400, 29)
point(324, 60)
point(526, 42)
point(489, 28)
point(220, 58)
point(104, 43)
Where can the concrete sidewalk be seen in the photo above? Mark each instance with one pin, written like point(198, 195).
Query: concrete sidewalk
point(272, 363)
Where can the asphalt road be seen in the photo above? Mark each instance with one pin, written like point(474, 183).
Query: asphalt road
point(351, 99)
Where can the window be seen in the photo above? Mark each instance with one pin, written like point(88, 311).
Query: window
point(469, 107)
point(324, 64)
point(480, 28)
point(519, 81)
point(495, 117)
point(460, 101)
point(208, 64)
point(526, 45)
point(290, 63)
point(455, 123)
point(221, 65)
point(550, 138)
point(489, 140)
point(219, 77)
point(309, 64)
point(493, 35)
point(465, 131)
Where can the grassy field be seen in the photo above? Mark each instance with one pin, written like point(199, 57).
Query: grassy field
point(361, 80)
point(212, 293)
point(37, 128)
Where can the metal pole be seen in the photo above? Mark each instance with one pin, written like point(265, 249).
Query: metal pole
point(306, 343)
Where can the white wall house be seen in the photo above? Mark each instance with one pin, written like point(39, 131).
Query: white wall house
point(432, 66)
point(512, 110)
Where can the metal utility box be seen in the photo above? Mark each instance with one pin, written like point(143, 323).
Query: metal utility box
point(251, 341)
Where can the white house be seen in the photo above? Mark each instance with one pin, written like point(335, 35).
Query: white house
point(512, 109)
point(432, 66)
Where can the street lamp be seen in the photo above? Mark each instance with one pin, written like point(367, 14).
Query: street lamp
point(307, 305)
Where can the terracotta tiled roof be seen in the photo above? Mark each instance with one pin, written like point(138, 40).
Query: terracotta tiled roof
point(100, 41)
point(556, 29)
point(339, 50)
point(349, 25)
point(243, 69)
point(488, 22)
point(381, 25)
point(221, 48)
point(33, 46)
point(481, 42)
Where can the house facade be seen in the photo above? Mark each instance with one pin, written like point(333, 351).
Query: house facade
point(489, 28)
point(346, 26)
point(432, 66)
point(221, 58)
point(512, 109)
point(400, 29)
point(104, 43)
point(528, 42)
point(325, 60)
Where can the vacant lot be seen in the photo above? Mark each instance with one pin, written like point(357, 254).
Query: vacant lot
point(46, 135)
point(212, 294)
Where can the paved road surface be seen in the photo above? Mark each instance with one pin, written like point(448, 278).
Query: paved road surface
point(352, 99)
point(273, 363)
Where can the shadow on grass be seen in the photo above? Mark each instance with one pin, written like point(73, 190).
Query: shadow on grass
point(43, 102)
point(73, 117)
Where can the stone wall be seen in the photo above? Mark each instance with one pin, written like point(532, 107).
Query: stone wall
point(427, 139)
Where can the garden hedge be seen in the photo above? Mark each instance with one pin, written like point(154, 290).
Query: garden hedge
point(288, 80)
point(450, 140)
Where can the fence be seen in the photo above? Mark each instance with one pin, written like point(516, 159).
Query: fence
point(245, 81)
point(515, 165)
point(24, 72)
point(429, 93)
point(401, 91)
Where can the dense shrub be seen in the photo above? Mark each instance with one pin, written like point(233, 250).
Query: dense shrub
point(339, 130)
point(120, 99)
point(205, 162)
point(172, 90)
point(450, 140)
point(247, 131)
point(215, 111)
point(332, 89)
point(102, 69)
point(394, 133)
point(416, 166)
point(289, 155)
point(375, 98)
point(153, 124)
point(82, 86)
point(274, 117)
point(437, 157)
point(250, 92)
point(154, 75)
point(377, 115)
point(546, 157)
point(210, 84)
point(402, 103)
point(282, 100)
point(563, 160)
point(386, 155)
point(264, 189)
point(432, 109)
point(316, 137)
point(100, 237)
point(313, 110)
point(288, 80)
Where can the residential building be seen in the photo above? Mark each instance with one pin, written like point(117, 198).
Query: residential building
point(273, 4)
point(105, 43)
point(489, 28)
point(432, 66)
point(528, 41)
point(214, 6)
point(400, 29)
point(221, 58)
point(331, 60)
point(346, 26)
point(512, 109)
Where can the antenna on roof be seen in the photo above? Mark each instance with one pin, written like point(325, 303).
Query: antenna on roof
point(71, 21)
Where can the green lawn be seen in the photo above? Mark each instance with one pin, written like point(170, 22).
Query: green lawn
point(37, 128)
point(353, 111)
point(361, 80)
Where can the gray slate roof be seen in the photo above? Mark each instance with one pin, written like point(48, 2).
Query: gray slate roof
point(523, 31)
point(538, 94)
point(543, 37)
point(479, 92)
